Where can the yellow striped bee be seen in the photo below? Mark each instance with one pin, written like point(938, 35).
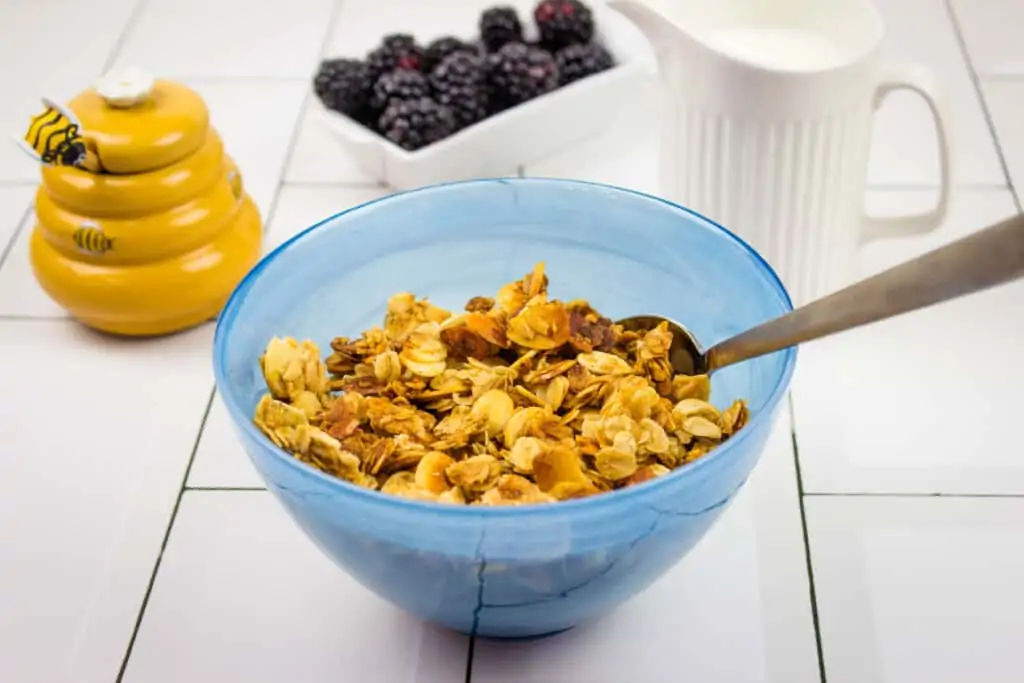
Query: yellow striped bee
point(90, 239)
point(54, 137)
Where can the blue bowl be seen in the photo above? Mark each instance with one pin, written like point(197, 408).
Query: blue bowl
point(508, 572)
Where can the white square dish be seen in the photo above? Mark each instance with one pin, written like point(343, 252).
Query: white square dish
point(524, 134)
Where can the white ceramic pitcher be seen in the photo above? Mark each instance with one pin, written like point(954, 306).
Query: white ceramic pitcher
point(767, 125)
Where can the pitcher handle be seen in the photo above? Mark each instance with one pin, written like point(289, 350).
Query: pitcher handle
point(922, 81)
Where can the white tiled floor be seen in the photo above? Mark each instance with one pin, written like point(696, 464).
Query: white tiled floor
point(919, 589)
point(908, 588)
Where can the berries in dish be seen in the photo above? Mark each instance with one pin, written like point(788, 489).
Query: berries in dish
point(415, 95)
point(412, 124)
point(437, 50)
point(519, 72)
point(460, 83)
point(579, 61)
point(396, 51)
point(344, 85)
point(500, 26)
point(401, 84)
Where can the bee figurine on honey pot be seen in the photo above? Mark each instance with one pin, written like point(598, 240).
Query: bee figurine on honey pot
point(143, 226)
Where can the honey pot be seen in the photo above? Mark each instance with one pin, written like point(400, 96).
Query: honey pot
point(143, 226)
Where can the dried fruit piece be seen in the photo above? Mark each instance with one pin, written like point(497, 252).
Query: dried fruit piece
point(615, 464)
point(553, 394)
point(568, 490)
point(424, 353)
point(558, 465)
point(463, 342)
point(479, 304)
point(405, 313)
point(387, 367)
point(690, 386)
point(398, 483)
point(646, 473)
point(452, 496)
point(540, 325)
point(511, 489)
point(494, 408)
point(701, 426)
point(290, 368)
point(391, 417)
point(690, 407)
point(524, 451)
point(735, 417)
point(430, 472)
point(475, 474)
point(602, 363)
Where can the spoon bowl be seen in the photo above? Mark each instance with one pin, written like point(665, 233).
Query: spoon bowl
point(685, 354)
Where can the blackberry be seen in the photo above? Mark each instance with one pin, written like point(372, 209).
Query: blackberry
point(437, 50)
point(563, 22)
point(412, 124)
point(396, 51)
point(398, 85)
point(344, 85)
point(500, 26)
point(460, 83)
point(517, 73)
point(579, 61)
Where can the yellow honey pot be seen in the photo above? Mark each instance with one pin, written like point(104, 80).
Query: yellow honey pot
point(143, 226)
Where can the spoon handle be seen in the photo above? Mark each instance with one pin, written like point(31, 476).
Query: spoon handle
point(989, 257)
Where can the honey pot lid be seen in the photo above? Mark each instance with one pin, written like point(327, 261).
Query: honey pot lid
point(139, 123)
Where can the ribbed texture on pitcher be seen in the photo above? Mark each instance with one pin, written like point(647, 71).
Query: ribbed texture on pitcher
point(792, 189)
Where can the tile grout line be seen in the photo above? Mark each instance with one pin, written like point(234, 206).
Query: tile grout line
point(220, 489)
point(980, 93)
point(894, 494)
point(22, 222)
point(807, 542)
point(313, 184)
point(163, 545)
point(133, 18)
point(332, 22)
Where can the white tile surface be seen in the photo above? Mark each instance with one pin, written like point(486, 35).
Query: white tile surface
point(904, 150)
point(243, 595)
point(220, 460)
point(1005, 101)
point(256, 121)
point(991, 30)
point(20, 294)
point(228, 38)
point(14, 203)
point(735, 609)
point(319, 157)
point(53, 48)
point(915, 590)
point(97, 434)
point(923, 402)
point(626, 155)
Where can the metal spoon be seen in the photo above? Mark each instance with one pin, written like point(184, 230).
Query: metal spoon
point(989, 257)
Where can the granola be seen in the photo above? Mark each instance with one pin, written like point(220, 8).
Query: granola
point(520, 399)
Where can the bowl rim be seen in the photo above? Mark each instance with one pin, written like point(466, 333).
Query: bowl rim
point(243, 421)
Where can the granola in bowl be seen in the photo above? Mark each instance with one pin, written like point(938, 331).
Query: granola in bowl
point(520, 399)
